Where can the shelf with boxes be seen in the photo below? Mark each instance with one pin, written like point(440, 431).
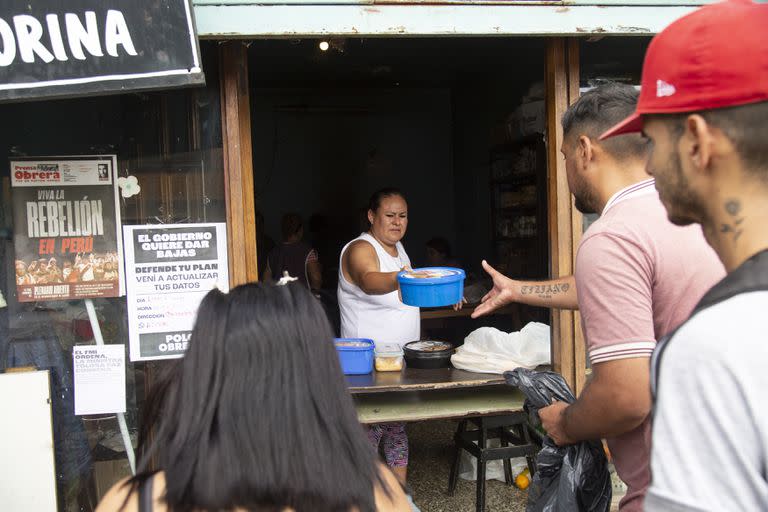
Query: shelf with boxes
point(518, 205)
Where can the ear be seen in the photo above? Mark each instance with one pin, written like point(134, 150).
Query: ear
point(370, 216)
point(698, 142)
point(586, 150)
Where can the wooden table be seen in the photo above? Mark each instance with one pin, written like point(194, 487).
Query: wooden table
point(447, 393)
point(417, 395)
point(440, 404)
point(414, 379)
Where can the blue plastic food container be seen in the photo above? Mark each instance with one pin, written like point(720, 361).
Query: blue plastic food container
point(355, 355)
point(432, 286)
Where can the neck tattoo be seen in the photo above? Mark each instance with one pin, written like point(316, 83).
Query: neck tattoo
point(734, 227)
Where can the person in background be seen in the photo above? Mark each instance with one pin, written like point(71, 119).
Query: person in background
point(54, 271)
point(294, 256)
point(704, 109)
point(110, 271)
point(22, 275)
point(369, 302)
point(637, 278)
point(66, 271)
point(41, 272)
point(98, 269)
point(256, 416)
point(84, 267)
point(439, 253)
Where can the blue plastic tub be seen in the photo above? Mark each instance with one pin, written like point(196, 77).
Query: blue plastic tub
point(355, 355)
point(442, 286)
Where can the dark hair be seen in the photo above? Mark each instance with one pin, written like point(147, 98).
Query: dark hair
point(374, 203)
point(290, 225)
point(441, 245)
point(256, 414)
point(745, 126)
point(598, 110)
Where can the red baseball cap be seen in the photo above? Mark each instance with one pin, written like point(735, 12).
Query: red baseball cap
point(715, 57)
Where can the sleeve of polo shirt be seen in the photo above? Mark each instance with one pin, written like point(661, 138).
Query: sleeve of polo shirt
point(614, 279)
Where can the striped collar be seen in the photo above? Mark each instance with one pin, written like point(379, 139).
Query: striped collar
point(640, 188)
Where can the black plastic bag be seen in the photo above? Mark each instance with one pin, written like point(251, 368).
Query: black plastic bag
point(567, 478)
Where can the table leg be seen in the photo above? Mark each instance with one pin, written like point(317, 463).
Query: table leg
point(454, 476)
point(530, 459)
point(482, 444)
point(508, 478)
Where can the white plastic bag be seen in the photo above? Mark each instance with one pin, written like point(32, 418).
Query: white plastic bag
point(494, 469)
point(489, 350)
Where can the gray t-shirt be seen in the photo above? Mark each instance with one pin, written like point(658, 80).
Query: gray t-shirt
point(710, 424)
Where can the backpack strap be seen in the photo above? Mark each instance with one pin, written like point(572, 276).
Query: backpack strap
point(145, 495)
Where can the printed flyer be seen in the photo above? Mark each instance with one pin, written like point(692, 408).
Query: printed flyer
point(169, 269)
point(99, 378)
point(65, 220)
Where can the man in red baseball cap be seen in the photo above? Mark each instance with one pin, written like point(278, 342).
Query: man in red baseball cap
point(704, 107)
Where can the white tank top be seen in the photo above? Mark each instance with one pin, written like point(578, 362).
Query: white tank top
point(382, 318)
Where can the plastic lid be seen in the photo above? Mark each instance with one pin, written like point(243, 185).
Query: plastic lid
point(429, 346)
point(431, 275)
point(353, 343)
point(428, 349)
point(388, 349)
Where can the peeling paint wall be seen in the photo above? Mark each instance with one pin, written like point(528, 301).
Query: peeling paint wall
point(238, 19)
point(606, 3)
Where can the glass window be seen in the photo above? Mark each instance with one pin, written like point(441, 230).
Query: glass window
point(171, 142)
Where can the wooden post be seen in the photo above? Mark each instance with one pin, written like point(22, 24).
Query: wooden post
point(562, 84)
point(577, 223)
point(238, 162)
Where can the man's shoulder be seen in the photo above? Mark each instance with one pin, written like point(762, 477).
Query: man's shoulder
point(736, 323)
point(641, 223)
point(635, 214)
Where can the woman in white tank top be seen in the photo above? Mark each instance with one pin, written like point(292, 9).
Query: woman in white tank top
point(370, 304)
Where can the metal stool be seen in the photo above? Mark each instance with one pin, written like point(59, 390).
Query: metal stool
point(516, 441)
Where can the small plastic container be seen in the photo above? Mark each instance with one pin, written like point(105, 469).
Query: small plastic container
point(388, 357)
point(355, 355)
point(431, 287)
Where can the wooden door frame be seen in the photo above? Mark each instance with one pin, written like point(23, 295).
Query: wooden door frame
point(238, 162)
point(564, 220)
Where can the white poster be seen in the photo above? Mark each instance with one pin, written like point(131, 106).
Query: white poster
point(168, 270)
point(99, 378)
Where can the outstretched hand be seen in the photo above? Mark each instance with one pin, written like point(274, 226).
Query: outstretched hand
point(503, 292)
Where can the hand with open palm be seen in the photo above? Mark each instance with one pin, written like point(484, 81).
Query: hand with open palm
point(504, 292)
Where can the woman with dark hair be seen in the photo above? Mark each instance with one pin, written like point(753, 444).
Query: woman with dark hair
point(256, 416)
point(369, 302)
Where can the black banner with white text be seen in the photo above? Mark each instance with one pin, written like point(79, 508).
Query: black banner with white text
point(55, 48)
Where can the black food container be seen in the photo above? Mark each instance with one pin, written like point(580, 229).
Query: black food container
point(426, 354)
